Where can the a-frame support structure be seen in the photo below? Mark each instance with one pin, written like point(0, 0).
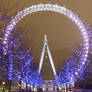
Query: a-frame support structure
point(46, 48)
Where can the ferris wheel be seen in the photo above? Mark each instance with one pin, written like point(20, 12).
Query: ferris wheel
point(54, 8)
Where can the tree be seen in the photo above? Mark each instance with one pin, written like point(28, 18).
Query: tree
point(23, 66)
point(68, 73)
point(18, 64)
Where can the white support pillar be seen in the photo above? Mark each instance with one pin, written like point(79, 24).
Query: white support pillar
point(46, 47)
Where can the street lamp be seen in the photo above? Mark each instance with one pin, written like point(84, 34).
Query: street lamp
point(3, 83)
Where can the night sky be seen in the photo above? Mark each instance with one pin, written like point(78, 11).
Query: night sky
point(62, 34)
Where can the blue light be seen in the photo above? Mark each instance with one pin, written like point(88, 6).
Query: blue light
point(68, 73)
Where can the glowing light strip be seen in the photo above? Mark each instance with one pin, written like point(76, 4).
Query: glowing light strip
point(41, 60)
point(51, 60)
point(54, 8)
